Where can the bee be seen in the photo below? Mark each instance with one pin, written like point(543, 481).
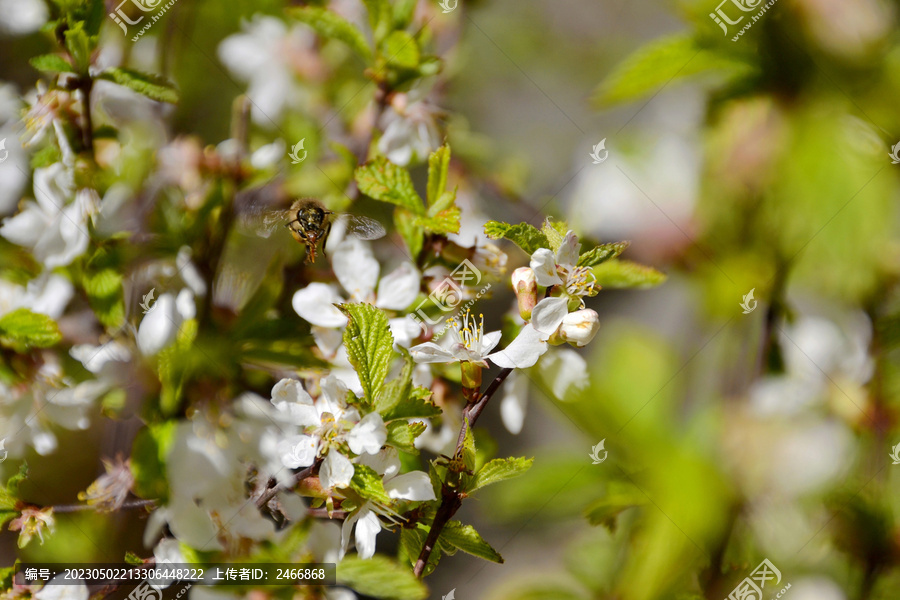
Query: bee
point(310, 224)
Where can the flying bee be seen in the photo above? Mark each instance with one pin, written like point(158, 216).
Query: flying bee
point(310, 224)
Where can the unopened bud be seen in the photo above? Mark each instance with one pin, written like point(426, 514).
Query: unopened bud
point(525, 286)
point(580, 327)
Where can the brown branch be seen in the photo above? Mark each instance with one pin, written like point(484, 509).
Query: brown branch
point(451, 498)
point(68, 508)
point(273, 487)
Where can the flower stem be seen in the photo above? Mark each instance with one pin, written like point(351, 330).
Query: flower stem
point(451, 498)
point(67, 508)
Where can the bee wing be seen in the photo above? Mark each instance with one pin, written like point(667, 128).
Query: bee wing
point(263, 221)
point(362, 227)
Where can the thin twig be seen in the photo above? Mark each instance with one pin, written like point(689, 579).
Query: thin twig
point(451, 498)
point(68, 508)
point(273, 490)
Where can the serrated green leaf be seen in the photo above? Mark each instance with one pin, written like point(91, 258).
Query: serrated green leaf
point(445, 221)
point(369, 345)
point(333, 26)
point(106, 296)
point(555, 232)
point(411, 543)
point(662, 61)
point(527, 237)
point(499, 469)
point(626, 274)
point(402, 435)
point(465, 538)
point(383, 180)
point(401, 50)
point(149, 453)
point(403, 13)
point(368, 484)
point(380, 577)
point(22, 329)
point(152, 86)
point(409, 229)
point(438, 166)
point(620, 496)
point(468, 449)
point(601, 254)
point(79, 45)
point(9, 493)
point(51, 63)
point(415, 405)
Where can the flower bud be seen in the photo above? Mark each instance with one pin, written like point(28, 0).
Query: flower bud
point(580, 327)
point(525, 285)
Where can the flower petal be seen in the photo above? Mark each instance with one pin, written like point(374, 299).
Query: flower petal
point(490, 341)
point(569, 250)
point(315, 303)
point(548, 314)
point(415, 485)
point(298, 451)
point(429, 352)
point(543, 263)
point(404, 330)
point(159, 326)
point(514, 402)
point(565, 371)
point(399, 288)
point(367, 529)
point(523, 352)
point(356, 269)
point(368, 436)
point(336, 471)
point(386, 462)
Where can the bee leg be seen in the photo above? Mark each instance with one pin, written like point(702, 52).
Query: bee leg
point(325, 238)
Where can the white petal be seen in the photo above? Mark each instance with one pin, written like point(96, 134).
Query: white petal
point(569, 250)
point(50, 295)
point(415, 485)
point(25, 228)
point(367, 529)
point(396, 143)
point(61, 590)
point(356, 269)
point(543, 263)
point(298, 451)
point(334, 396)
point(549, 314)
point(429, 352)
point(336, 471)
point(514, 402)
point(184, 303)
point(490, 341)
point(368, 436)
point(386, 462)
point(346, 530)
point(523, 352)
point(404, 330)
point(290, 390)
point(159, 326)
point(565, 372)
point(315, 303)
point(399, 288)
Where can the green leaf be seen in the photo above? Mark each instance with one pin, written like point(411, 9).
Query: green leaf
point(468, 449)
point(152, 86)
point(418, 404)
point(620, 496)
point(380, 577)
point(149, 453)
point(369, 345)
point(403, 13)
point(525, 236)
point(465, 538)
point(79, 44)
point(499, 469)
point(410, 230)
point(438, 166)
point(368, 484)
point(331, 25)
point(402, 435)
point(106, 296)
point(51, 63)
point(9, 494)
point(626, 274)
point(652, 67)
point(411, 543)
point(401, 50)
point(602, 253)
point(383, 180)
point(379, 17)
point(22, 329)
point(446, 221)
point(555, 232)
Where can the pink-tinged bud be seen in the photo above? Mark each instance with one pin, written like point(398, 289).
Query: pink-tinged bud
point(525, 285)
point(580, 327)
